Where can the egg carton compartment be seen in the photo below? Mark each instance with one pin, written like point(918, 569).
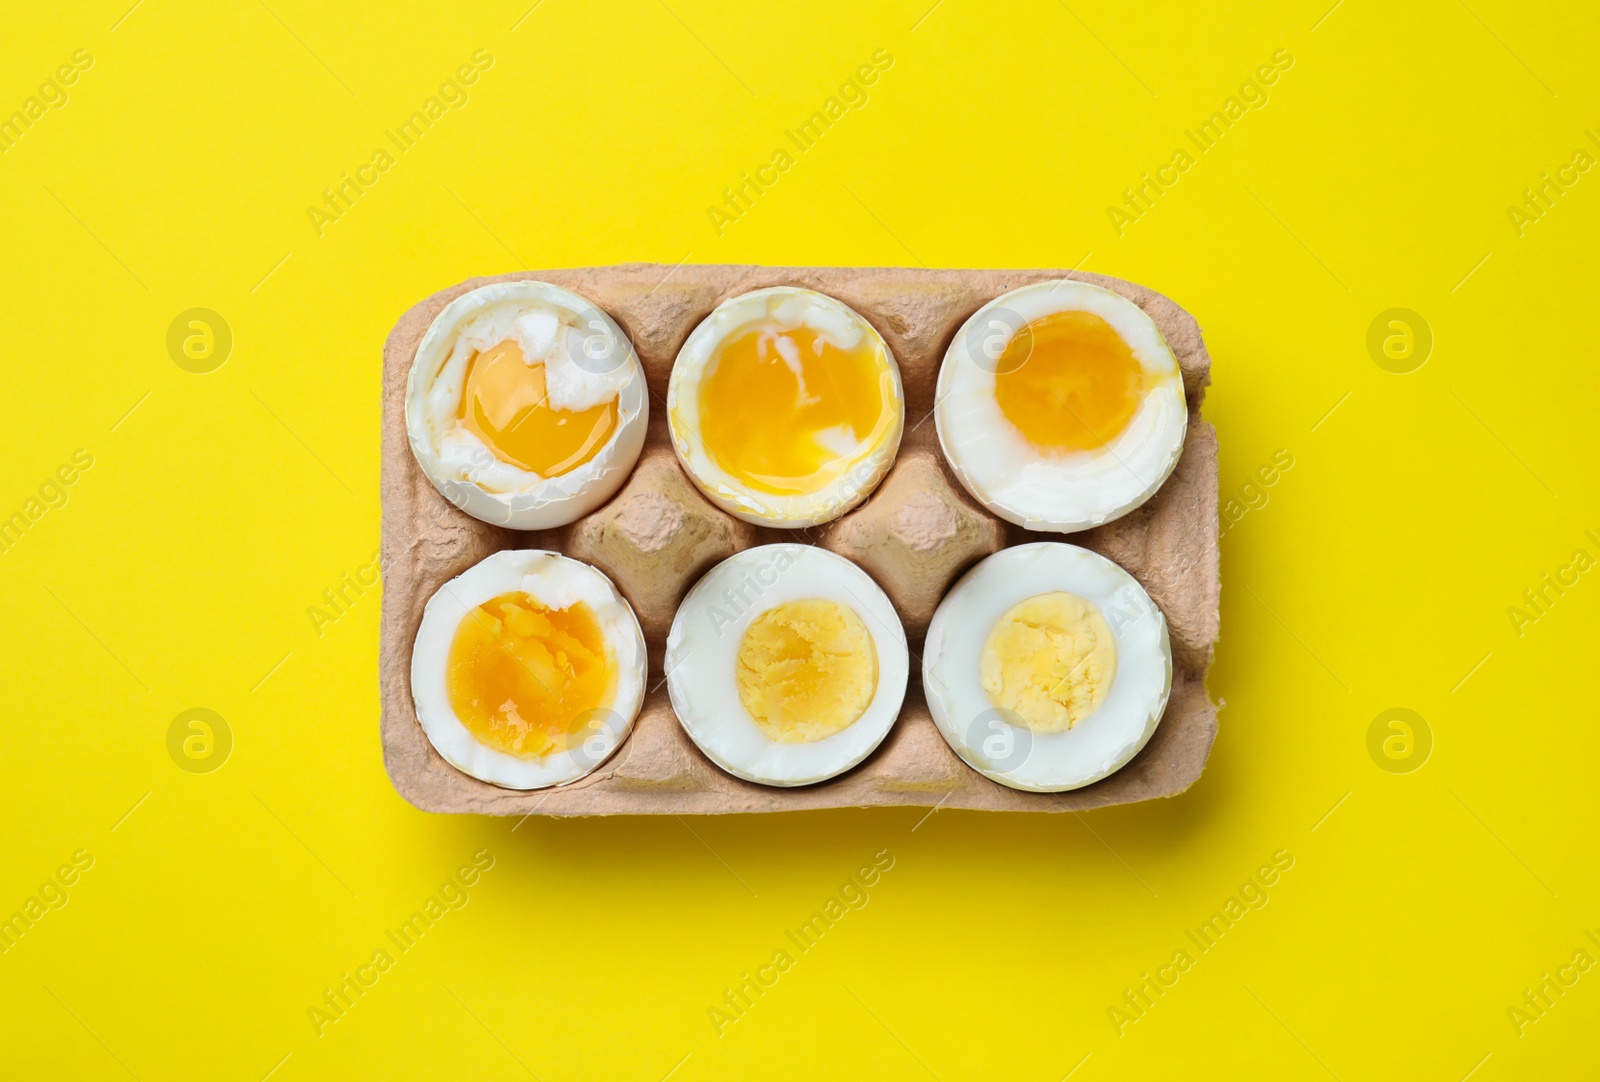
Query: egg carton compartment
point(915, 535)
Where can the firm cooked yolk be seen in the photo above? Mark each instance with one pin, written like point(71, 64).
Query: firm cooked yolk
point(1069, 382)
point(505, 405)
point(788, 413)
point(806, 670)
point(528, 680)
point(1049, 661)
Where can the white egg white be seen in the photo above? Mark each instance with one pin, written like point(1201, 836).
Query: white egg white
point(1097, 745)
point(556, 582)
point(703, 647)
point(588, 360)
point(1058, 492)
point(778, 308)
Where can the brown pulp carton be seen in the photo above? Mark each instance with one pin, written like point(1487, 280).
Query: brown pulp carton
point(915, 535)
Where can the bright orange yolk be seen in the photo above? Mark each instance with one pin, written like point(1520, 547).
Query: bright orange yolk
point(528, 680)
point(787, 413)
point(505, 405)
point(1069, 382)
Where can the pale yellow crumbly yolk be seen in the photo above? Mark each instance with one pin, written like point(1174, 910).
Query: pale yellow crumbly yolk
point(505, 405)
point(1069, 382)
point(782, 412)
point(806, 670)
point(528, 680)
point(1049, 661)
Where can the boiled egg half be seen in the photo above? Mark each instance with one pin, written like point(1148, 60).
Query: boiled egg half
point(1060, 406)
point(526, 405)
point(528, 669)
point(786, 664)
point(1047, 667)
point(786, 407)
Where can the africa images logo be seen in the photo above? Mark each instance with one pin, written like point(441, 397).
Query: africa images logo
point(853, 894)
point(1140, 198)
point(343, 193)
point(739, 197)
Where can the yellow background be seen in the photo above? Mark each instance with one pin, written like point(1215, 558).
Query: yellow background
point(1378, 573)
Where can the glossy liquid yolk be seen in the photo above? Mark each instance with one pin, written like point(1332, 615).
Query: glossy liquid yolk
point(786, 413)
point(806, 670)
point(505, 405)
point(1069, 382)
point(528, 680)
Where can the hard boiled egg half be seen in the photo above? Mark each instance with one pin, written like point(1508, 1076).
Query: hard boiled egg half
point(526, 405)
point(786, 664)
point(1060, 406)
point(528, 669)
point(785, 407)
point(1047, 667)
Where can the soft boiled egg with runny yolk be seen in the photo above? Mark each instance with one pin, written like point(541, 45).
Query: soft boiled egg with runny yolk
point(1060, 406)
point(785, 407)
point(526, 405)
point(786, 664)
point(528, 670)
point(1047, 667)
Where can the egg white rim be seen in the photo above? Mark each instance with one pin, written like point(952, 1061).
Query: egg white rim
point(702, 652)
point(1058, 493)
point(814, 310)
point(465, 471)
point(1100, 744)
point(548, 577)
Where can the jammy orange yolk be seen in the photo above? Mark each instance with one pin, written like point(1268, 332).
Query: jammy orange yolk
point(505, 405)
point(788, 413)
point(528, 680)
point(1069, 382)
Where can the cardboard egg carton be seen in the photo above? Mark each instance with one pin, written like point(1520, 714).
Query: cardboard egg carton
point(915, 535)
